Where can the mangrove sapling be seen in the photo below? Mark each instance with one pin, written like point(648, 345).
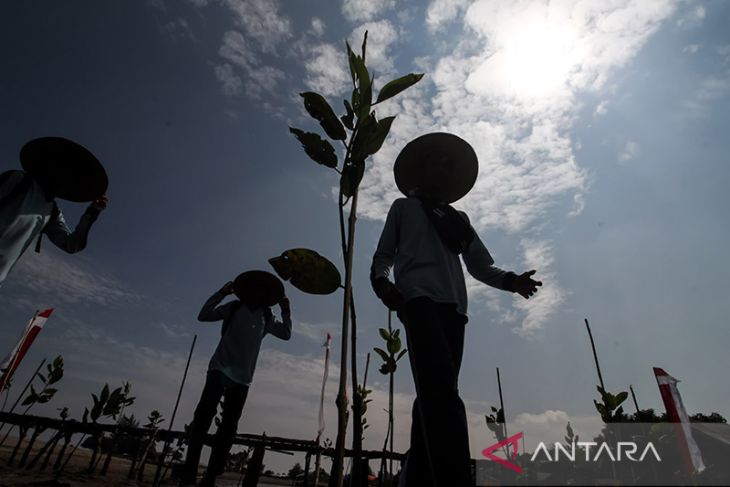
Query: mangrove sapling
point(154, 419)
point(55, 374)
point(8, 384)
point(115, 435)
point(107, 405)
point(51, 444)
point(366, 136)
point(388, 367)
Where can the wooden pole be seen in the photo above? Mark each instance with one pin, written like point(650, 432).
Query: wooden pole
point(636, 404)
point(172, 419)
point(595, 356)
point(501, 403)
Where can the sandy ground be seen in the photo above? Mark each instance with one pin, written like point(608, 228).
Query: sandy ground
point(74, 474)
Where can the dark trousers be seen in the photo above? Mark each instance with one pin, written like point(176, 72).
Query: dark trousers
point(439, 453)
point(217, 385)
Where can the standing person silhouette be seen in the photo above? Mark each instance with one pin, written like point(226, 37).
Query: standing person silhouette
point(422, 239)
point(245, 323)
point(54, 167)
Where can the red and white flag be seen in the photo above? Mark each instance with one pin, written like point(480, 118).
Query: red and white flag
point(12, 360)
point(327, 344)
point(678, 414)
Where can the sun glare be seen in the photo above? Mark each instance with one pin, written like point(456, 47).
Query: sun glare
point(530, 59)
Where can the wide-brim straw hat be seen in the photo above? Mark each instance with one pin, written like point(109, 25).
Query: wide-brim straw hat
point(426, 149)
point(268, 284)
point(68, 168)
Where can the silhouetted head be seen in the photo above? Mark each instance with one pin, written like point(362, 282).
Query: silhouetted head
point(438, 166)
point(64, 169)
point(258, 289)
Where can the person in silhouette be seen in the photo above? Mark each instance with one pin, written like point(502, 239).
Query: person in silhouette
point(54, 167)
point(422, 240)
point(230, 371)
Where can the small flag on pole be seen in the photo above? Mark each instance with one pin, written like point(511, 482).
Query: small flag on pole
point(678, 414)
point(12, 360)
point(327, 344)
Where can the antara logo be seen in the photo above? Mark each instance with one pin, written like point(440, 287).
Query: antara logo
point(512, 440)
point(624, 449)
point(628, 448)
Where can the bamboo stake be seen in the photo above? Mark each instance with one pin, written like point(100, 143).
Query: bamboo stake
point(174, 412)
point(595, 356)
point(636, 404)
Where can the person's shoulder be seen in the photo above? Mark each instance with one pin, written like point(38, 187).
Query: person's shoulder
point(406, 202)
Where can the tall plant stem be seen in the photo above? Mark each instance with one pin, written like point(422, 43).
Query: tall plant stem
point(342, 401)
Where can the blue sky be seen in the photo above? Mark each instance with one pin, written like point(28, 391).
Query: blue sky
point(601, 133)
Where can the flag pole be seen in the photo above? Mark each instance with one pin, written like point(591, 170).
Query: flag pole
point(172, 419)
point(320, 428)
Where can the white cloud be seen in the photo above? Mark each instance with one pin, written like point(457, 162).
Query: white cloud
point(440, 12)
point(55, 278)
point(692, 18)
point(318, 26)
point(259, 79)
point(629, 152)
point(550, 296)
point(601, 109)
point(262, 22)
point(691, 49)
point(232, 84)
point(381, 35)
point(326, 70)
point(710, 89)
point(364, 10)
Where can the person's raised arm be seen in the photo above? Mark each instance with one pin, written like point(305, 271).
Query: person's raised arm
point(280, 329)
point(211, 311)
point(480, 264)
point(72, 242)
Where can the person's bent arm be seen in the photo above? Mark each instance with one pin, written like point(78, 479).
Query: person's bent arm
point(211, 311)
point(68, 241)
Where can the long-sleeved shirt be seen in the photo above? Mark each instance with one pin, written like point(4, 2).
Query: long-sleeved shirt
point(423, 265)
point(238, 349)
point(24, 216)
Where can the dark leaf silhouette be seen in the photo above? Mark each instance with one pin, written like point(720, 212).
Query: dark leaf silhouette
point(307, 271)
point(351, 176)
point(318, 149)
point(397, 85)
point(320, 110)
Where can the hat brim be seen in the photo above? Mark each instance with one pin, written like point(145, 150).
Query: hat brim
point(69, 169)
point(426, 149)
point(259, 281)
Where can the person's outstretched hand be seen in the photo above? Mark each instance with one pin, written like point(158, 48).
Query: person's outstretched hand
point(525, 285)
point(227, 288)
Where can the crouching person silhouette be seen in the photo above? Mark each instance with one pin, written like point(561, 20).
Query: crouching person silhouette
point(422, 239)
point(54, 167)
point(245, 323)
